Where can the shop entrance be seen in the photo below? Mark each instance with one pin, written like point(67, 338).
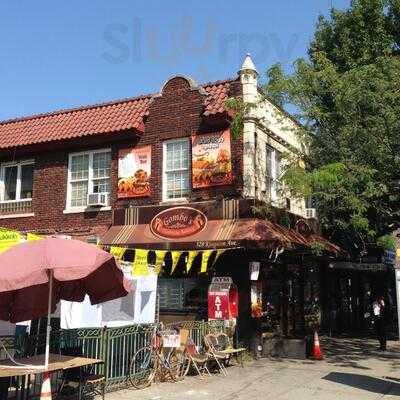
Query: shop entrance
point(349, 297)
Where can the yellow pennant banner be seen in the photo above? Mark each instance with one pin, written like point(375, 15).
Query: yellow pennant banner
point(8, 239)
point(140, 265)
point(204, 260)
point(160, 255)
point(32, 236)
point(190, 258)
point(175, 255)
point(219, 252)
point(117, 252)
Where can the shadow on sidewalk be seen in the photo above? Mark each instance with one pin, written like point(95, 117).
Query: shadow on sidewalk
point(357, 352)
point(364, 382)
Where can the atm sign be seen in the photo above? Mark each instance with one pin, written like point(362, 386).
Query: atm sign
point(218, 305)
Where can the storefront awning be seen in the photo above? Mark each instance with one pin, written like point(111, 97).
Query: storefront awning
point(326, 245)
point(228, 233)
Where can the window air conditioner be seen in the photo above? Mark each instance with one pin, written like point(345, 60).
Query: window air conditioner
point(97, 199)
point(311, 213)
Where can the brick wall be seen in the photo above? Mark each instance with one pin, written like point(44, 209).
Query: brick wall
point(176, 113)
point(49, 201)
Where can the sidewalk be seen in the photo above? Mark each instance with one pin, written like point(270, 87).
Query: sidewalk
point(352, 369)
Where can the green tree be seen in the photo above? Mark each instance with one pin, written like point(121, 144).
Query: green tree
point(346, 94)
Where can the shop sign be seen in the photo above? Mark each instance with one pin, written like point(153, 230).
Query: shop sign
point(134, 169)
point(303, 227)
point(359, 266)
point(221, 243)
point(9, 235)
point(8, 238)
point(171, 340)
point(211, 159)
point(218, 305)
point(178, 222)
point(223, 299)
point(222, 279)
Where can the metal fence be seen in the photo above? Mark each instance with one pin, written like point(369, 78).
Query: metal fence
point(198, 329)
point(115, 346)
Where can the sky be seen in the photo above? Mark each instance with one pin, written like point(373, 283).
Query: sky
point(56, 55)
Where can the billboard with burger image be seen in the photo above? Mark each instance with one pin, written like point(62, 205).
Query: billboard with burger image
point(211, 159)
point(134, 169)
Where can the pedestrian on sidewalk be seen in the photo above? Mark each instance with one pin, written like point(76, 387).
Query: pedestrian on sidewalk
point(379, 313)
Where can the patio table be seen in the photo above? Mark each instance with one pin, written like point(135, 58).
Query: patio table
point(57, 362)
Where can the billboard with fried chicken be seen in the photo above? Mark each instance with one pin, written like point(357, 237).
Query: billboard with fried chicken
point(134, 169)
point(211, 159)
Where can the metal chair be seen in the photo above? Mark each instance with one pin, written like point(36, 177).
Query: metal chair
point(225, 346)
point(219, 357)
point(198, 360)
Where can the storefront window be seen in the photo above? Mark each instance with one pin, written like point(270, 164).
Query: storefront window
point(176, 169)
point(181, 294)
point(89, 172)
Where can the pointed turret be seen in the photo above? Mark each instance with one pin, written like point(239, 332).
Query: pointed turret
point(248, 66)
point(249, 78)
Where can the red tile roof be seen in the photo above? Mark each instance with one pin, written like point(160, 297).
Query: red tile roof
point(95, 119)
point(218, 92)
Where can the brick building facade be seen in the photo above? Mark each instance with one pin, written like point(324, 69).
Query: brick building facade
point(50, 163)
point(181, 109)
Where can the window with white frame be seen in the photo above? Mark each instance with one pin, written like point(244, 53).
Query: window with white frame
point(17, 181)
point(88, 172)
point(272, 171)
point(176, 169)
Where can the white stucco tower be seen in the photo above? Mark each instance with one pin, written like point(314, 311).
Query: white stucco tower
point(249, 80)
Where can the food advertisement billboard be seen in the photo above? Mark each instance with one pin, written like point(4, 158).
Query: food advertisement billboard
point(134, 169)
point(211, 159)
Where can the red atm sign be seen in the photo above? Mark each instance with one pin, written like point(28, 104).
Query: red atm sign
point(218, 305)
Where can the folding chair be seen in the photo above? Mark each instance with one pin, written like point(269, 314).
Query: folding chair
point(215, 354)
point(199, 361)
point(225, 346)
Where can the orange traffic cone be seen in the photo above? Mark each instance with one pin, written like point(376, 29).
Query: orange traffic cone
point(45, 393)
point(317, 354)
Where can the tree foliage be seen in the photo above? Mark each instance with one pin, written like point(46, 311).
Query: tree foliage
point(347, 97)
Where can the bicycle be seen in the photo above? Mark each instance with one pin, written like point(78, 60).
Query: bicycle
point(156, 361)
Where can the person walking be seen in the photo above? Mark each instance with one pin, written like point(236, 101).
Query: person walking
point(379, 313)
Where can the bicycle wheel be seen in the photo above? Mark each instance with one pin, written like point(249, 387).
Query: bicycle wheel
point(142, 368)
point(178, 365)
